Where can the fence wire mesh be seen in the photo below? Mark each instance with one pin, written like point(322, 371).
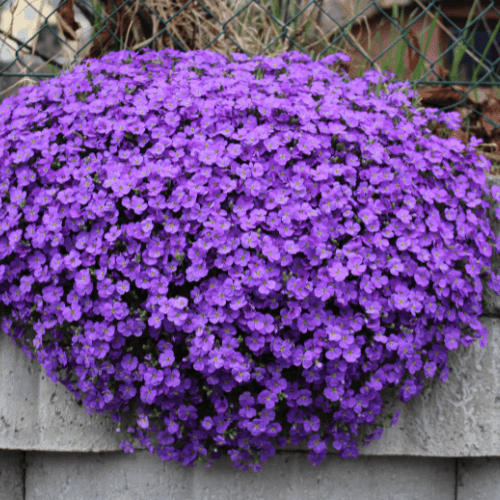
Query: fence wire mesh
point(454, 45)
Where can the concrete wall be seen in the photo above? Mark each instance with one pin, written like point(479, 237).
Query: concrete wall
point(36, 475)
point(458, 418)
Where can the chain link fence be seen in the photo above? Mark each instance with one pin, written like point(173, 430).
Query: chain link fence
point(449, 50)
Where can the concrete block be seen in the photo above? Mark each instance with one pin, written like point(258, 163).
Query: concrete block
point(105, 476)
point(478, 479)
point(367, 478)
point(287, 475)
point(36, 414)
point(11, 475)
point(459, 418)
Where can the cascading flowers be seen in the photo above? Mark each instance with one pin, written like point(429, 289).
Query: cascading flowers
point(238, 254)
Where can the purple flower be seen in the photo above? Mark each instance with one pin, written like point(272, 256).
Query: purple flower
point(147, 394)
point(255, 342)
point(127, 447)
point(153, 377)
point(351, 353)
point(312, 424)
point(26, 283)
point(316, 443)
point(166, 358)
point(356, 266)
point(407, 390)
point(72, 313)
point(83, 282)
point(452, 338)
point(304, 397)
point(143, 422)
point(187, 412)
point(273, 429)
point(403, 215)
point(172, 377)
point(400, 300)
point(72, 260)
point(207, 423)
point(267, 398)
point(422, 276)
point(155, 320)
point(257, 426)
point(338, 272)
point(281, 156)
point(430, 369)
point(395, 266)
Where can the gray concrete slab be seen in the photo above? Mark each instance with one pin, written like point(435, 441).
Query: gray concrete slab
point(36, 414)
point(478, 479)
point(459, 418)
point(287, 475)
point(11, 475)
point(105, 476)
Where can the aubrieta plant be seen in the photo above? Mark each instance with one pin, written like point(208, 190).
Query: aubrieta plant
point(238, 254)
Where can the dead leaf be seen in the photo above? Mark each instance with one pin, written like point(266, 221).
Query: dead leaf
point(413, 55)
point(66, 13)
point(442, 97)
point(483, 94)
point(461, 135)
point(492, 111)
point(103, 42)
point(495, 157)
point(464, 112)
point(443, 72)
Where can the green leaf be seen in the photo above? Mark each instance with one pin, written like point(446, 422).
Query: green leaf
point(459, 51)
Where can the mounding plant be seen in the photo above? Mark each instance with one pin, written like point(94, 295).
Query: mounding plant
point(237, 254)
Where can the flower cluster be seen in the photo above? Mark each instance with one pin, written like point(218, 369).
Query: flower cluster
point(238, 254)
